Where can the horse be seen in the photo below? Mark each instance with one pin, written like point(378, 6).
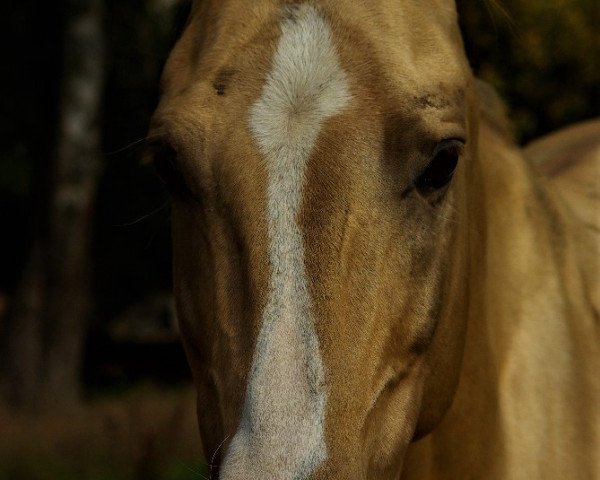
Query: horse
point(569, 160)
point(372, 280)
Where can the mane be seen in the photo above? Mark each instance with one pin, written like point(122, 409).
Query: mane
point(493, 111)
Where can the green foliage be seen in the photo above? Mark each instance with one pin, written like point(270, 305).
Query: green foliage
point(146, 433)
point(185, 471)
point(540, 55)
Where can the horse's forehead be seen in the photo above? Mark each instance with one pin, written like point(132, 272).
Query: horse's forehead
point(409, 46)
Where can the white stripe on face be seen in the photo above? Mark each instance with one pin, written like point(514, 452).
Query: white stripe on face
point(281, 433)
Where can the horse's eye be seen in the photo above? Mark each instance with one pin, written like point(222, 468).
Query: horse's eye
point(164, 159)
point(441, 167)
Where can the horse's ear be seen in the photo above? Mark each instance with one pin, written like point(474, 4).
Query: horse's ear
point(492, 109)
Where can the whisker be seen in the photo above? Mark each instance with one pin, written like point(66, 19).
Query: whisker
point(149, 242)
point(126, 147)
point(495, 8)
point(131, 145)
point(144, 217)
point(196, 472)
point(212, 460)
point(488, 6)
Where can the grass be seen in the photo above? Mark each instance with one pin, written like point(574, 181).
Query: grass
point(143, 434)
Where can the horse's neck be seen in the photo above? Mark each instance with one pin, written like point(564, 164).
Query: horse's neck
point(533, 321)
point(525, 259)
point(526, 405)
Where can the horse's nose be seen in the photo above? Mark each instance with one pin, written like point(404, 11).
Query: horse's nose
point(250, 458)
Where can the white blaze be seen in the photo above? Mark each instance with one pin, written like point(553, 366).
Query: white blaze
point(281, 435)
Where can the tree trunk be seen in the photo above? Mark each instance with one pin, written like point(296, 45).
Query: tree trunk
point(44, 338)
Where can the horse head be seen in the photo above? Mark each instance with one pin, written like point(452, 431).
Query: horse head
point(321, 157)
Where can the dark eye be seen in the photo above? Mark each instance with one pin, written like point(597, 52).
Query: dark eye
point(164, 159)
point(441, 167)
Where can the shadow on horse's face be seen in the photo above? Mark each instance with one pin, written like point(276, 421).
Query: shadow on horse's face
point(318, 160)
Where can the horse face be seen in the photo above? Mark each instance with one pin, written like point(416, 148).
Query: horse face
point(317, 159)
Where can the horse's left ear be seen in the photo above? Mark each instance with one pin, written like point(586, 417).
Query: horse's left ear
point(492, 108)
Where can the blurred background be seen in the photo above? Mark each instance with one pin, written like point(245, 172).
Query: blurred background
point(93, 381)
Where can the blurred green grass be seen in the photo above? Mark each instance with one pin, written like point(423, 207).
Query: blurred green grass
point(146, 433)
point(48, 468)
